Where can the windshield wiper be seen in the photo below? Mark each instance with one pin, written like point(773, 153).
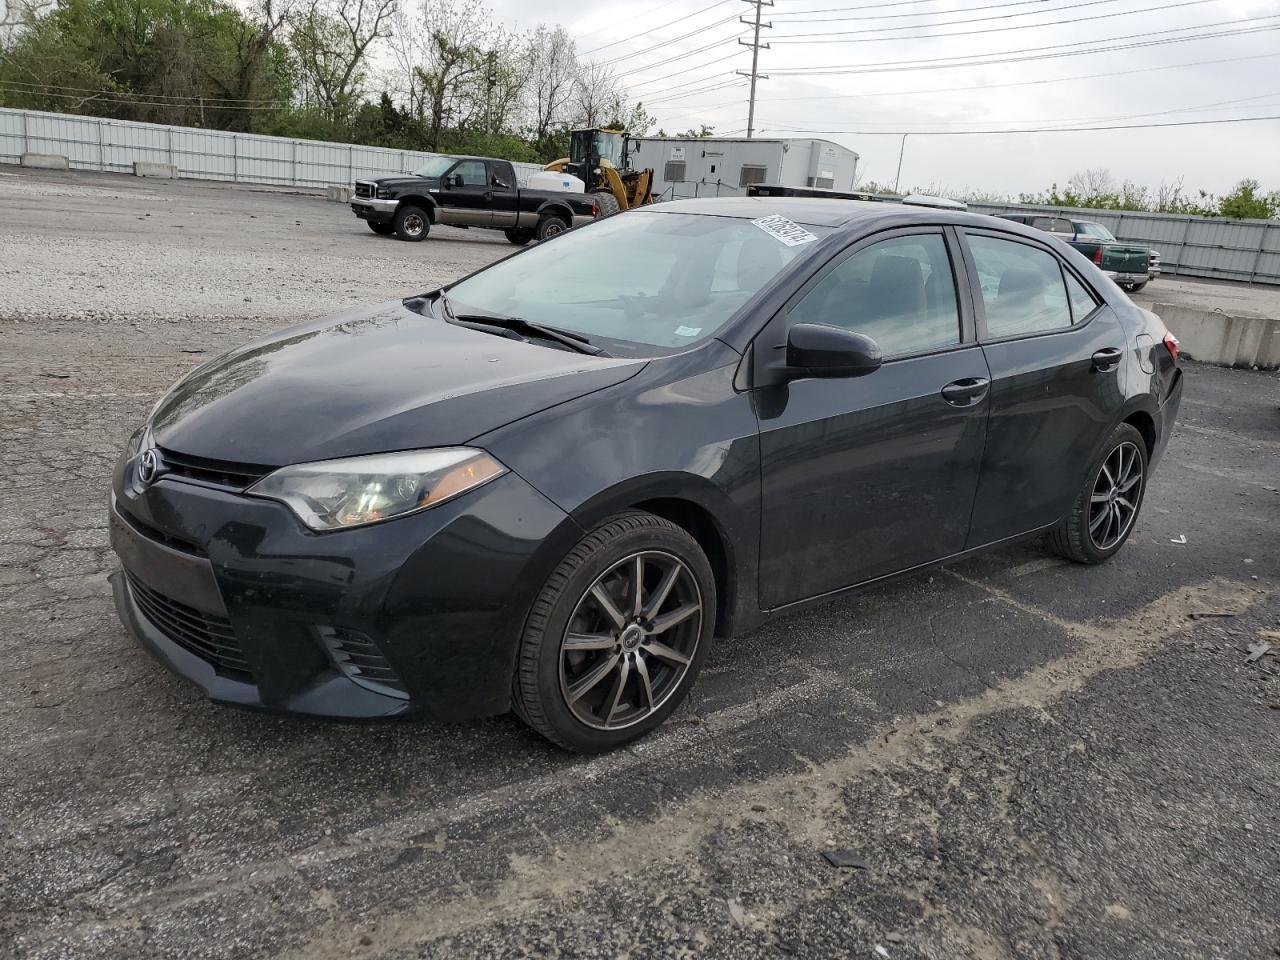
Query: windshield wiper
point(574, 341)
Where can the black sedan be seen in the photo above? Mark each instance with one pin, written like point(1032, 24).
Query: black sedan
point(550, 485)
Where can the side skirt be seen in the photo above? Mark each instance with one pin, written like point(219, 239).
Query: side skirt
point(910, 571)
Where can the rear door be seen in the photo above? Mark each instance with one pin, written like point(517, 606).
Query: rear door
point(1053, 348)
point(468, 203)
point(863, 477)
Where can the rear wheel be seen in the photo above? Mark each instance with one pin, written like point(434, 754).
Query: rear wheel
point(617, 635)
point(551, 226)
point(607, 203)
point(518, 235)
point(411, 223)
point(1106, 509)
point(381, 229)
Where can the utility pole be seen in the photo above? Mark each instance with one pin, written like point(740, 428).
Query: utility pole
point(901, 150)
point(756, 46)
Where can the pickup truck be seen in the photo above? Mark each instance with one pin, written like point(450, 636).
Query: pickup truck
point(1130, 265)
point(467, 192)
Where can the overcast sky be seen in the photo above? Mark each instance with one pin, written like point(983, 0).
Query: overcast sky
point(1245, 81)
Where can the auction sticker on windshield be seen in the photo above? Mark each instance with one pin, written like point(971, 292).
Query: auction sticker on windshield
point(784, 230)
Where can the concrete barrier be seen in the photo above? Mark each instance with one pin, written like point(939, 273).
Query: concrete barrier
point(165, 171)
point(44, 161)
point(1214, 337)
point(338, 194)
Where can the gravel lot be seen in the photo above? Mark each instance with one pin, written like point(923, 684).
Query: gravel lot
point(1031, 759)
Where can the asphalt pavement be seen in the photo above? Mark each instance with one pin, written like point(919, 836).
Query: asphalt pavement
point(1017, 757)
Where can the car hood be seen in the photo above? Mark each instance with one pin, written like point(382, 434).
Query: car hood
point(374, 380)
point(412, 182)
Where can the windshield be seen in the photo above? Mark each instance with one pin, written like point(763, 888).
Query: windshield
point(1095, 230)
point(435, 167)
point(638, 282)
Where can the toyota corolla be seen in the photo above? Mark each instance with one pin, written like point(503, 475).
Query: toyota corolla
point(550, 485)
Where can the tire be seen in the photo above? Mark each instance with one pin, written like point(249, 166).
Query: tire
point(1085, 535)
point(381, 229)
point(551, 226)
point(518, 235)
point(619, 645)
point(411, 223)
point(607, 203)
point(1135, 287)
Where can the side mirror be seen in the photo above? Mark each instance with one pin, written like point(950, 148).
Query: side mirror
point(819, 350)
point(453, 180)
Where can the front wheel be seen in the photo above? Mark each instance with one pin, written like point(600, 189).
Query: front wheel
point(551, 226)
point(411, 223)
point(616, 637)
point(1106, 509)
point(518, 235)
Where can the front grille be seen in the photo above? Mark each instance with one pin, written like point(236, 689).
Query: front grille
point(359, 658)
point(221, 473)
point(364, 189)
point(209, 637)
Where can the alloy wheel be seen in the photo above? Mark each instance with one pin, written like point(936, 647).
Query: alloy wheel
point(413, 224)
point(1117, 491)
point(630, 640)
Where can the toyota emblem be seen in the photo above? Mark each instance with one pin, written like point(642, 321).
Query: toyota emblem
point(148, 466)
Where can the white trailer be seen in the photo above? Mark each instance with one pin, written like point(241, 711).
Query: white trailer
point(726, 166)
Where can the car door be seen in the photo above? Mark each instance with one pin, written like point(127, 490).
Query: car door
point(467, 196)
point(504, 196)
point(863, 477)
point(1053, 347)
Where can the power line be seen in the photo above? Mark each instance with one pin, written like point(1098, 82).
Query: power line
point(1019, 83)
point(922, 13)
point(160, 98)
point(680, 91)
point(641, 15)
point(894, 4)
point(965, 133)
point(645, 68)
point(893, 66)
point(828, 35)
point(661, 26)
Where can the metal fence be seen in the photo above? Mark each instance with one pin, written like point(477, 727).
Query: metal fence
point(1215, 247)
point(93, 143)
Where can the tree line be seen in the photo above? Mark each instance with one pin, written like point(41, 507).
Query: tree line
point(438, 75)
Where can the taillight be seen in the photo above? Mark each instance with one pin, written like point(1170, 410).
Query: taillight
point(1171, 344)
point(1097, 256)
point(595, 209)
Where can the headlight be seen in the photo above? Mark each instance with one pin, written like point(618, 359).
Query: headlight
point(335, 494)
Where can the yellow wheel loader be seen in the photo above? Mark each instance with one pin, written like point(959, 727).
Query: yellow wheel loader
point(598, 158)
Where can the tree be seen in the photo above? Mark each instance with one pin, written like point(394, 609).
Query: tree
point(1247, 202)
point(597, 95)
point(552, 68)
point(331, 39)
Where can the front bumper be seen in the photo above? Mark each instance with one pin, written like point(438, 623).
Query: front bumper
point(379, 211)
point(419, 614)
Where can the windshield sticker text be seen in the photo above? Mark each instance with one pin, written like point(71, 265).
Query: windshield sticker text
point(784, 230)
point(688, 331)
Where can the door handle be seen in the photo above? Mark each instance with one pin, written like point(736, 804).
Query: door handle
point(1107, 359)
point(966, 392)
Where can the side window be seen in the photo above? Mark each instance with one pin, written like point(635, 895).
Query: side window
point(472, 173)
point(1083, 302)
point(1022, 288)
point(900, 292)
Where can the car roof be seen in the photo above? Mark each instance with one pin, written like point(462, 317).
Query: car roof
point(833, 212)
